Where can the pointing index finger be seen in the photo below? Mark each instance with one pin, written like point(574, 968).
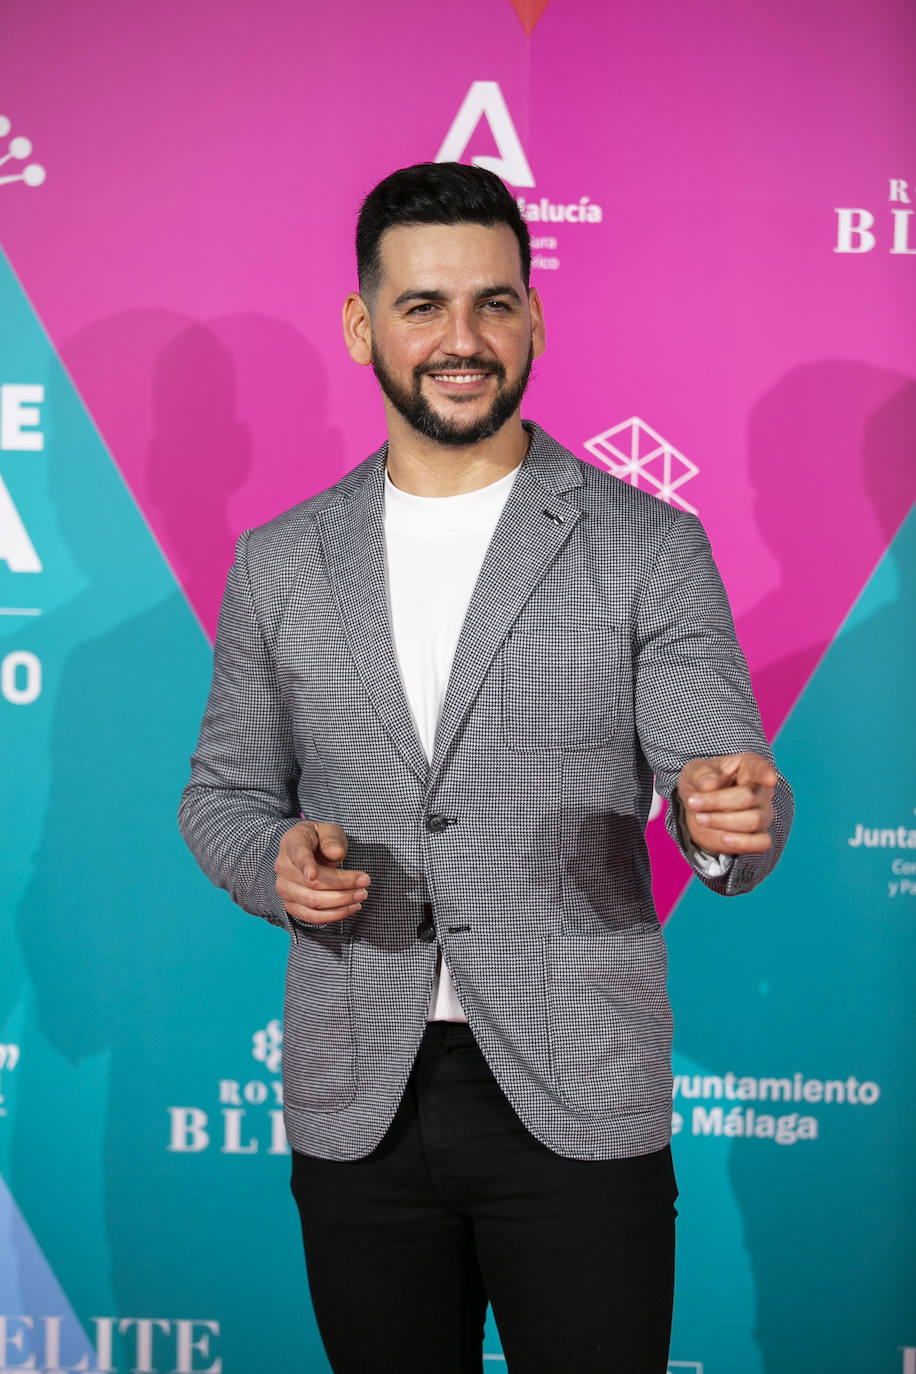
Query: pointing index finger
point(303, 858)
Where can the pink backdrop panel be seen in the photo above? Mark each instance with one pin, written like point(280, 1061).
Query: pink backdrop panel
point(191, 246)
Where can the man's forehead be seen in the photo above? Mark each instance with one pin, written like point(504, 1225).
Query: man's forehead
point(455, 253)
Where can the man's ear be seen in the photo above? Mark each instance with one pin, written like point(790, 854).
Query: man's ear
point(357, 329)
point(538, 343)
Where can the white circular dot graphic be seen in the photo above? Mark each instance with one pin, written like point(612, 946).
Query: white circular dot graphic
point(5, 126)
point(34, 174)
point(20, 147)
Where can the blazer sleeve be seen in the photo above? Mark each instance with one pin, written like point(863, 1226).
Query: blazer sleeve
point(693, 691)
point(242, 794)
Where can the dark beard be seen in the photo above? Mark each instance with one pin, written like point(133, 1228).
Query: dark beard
point(416, 410)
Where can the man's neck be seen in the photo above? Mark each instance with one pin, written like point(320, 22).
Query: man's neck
point(423, 467)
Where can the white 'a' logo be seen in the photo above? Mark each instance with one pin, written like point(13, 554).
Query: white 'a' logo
point(485, 99)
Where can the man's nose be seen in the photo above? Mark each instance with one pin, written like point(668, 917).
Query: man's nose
point(462, 336)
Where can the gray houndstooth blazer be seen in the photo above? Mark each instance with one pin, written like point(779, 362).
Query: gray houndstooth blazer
point(598, 650)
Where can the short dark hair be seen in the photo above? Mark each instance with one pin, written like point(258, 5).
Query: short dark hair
point(434, 193)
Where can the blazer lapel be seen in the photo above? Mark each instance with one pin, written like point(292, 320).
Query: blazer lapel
point(353, 539)
point(535, 524)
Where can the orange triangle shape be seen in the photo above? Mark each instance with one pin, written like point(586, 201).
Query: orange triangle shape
point(529, 12)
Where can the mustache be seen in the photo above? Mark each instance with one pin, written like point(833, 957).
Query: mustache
point(468, 365)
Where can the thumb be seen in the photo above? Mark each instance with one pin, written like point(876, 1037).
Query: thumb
point(707, 775)
point(756, 769)
point(729, 764)
point(723, 772)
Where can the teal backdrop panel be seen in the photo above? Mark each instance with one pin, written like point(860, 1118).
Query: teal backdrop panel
point(795, 1081)
point(141, 1149)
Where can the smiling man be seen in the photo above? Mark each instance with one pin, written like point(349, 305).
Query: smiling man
point(492, 317)
point(442, 689)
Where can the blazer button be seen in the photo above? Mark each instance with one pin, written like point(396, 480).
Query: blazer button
point(436, 822)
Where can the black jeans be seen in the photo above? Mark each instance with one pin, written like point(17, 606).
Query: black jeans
point(459, 1203)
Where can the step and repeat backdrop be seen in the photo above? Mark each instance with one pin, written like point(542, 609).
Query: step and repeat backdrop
point(722, 201)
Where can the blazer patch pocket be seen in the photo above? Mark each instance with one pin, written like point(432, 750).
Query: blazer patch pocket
point(319, 1051)
point(608, 1020)
point(562, 682)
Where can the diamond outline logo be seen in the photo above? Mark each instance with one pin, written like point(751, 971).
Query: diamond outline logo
point(618, 448)
point(19, 148)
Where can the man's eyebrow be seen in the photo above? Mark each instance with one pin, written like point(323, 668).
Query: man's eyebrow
point(488, 291)
point(485, 293)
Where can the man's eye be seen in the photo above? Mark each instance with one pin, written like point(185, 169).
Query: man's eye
point(497, 305)
point(421, 309)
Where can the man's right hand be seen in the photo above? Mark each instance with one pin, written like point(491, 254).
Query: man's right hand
point(311, 886)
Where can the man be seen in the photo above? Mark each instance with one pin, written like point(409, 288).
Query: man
point(457, 672)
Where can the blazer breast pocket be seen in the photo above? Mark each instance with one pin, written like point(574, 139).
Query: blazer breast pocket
point(562, 680)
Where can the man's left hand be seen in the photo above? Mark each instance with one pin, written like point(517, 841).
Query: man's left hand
point(728, 802)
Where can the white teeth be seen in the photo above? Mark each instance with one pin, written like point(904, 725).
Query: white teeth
point(461, 378)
